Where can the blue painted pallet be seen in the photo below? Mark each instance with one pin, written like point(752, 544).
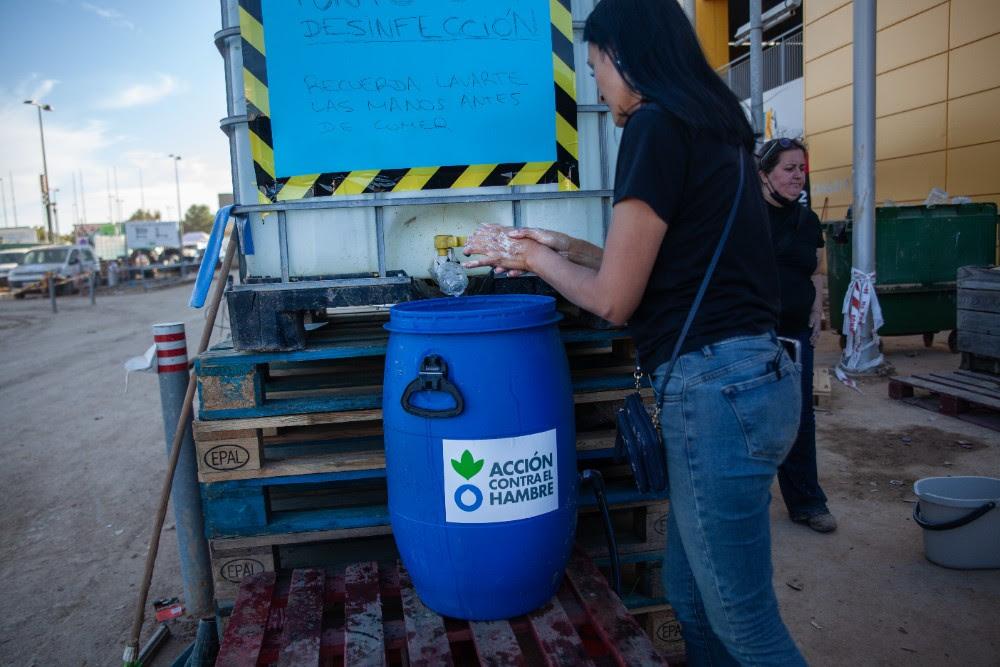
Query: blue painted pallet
point(243, 508)
point(234, 385)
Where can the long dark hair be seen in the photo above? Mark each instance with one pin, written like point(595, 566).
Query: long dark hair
point(657, 53)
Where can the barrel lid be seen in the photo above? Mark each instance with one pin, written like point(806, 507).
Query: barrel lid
point(473, 314)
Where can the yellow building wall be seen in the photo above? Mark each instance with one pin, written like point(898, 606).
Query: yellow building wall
point(937, 106)
point(712, 25)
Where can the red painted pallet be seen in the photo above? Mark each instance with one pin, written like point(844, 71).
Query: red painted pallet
point(370, 616)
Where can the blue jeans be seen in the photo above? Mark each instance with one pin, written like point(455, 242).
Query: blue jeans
point(797, 476)
point(729, 417)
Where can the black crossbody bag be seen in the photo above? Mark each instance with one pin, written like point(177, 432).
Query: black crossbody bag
point(638, 432)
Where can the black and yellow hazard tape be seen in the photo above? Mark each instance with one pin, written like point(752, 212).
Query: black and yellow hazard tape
point(564, 171)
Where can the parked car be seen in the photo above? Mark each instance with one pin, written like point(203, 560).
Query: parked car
point(64, 261)
point(10, 259)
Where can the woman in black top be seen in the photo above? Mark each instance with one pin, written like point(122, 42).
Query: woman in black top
point(798, 248)
point(731, 404)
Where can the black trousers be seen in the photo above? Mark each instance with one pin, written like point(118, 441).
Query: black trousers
point(797, 476)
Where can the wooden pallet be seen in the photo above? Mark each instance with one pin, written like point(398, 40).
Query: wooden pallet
point(234, 560)
point(639, 531)
point(342, 371)
point(375, 617)
point(331, 442)
point(957, 392)
point(327, 501)
point(822, 389)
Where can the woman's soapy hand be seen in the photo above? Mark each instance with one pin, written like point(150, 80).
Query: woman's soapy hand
point(500, 250)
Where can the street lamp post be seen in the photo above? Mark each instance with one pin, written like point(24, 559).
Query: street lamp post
point(177, 183)
point(45, 167)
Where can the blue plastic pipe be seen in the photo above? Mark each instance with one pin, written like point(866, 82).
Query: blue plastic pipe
point(207, 269)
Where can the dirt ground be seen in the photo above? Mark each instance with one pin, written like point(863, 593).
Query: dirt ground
point(83, 463)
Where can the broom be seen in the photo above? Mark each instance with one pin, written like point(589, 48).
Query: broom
point(131, 656)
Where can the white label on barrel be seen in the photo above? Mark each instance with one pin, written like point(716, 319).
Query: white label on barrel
point(503, 479)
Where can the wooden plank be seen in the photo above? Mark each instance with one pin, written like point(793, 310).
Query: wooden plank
point(228, 544)
point(426, 637)
point(296, 406)
point(333, 462)
point(239, 459)
point(618, 394)
point(235, 434)
point(821, 381)
point(300, 638)
point(280, 421)
point(244, 635)
point(621, 633)
point(363, 632)
point(596, 440)
point(950, 385)
point(979, 343)
point(938, 388)
point(990, 385)
point(286, 392)
point(987, 378)
point(371, 345)
point(983, 300)
point(290, 522)
point(557, 638)
point(349, 430)
point(204, 428)
point(496, 645)
point(971, 321)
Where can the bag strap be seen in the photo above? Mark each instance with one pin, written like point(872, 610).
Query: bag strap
point(701, 290)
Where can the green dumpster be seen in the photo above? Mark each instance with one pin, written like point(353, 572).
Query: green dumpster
point(917, 254)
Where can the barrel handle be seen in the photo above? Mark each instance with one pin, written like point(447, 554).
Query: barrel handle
point(955, 523)
point(433, 376)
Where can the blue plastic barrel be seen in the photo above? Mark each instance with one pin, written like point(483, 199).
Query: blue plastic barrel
point(480, 452)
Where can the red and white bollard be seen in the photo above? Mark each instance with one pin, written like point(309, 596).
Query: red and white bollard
point(172, 369)
point(171, 349)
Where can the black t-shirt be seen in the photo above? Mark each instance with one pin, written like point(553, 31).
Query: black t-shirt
point(796, 234)
point(689, 178)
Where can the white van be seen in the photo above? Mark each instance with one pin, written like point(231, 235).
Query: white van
point(65, 261)
point(10, 259)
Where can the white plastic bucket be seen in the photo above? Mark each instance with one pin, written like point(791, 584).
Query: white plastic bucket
point(961, 521)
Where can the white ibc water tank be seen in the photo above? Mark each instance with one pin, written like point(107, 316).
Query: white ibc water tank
point(343, 241)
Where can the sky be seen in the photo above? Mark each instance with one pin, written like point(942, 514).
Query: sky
point(130, 82)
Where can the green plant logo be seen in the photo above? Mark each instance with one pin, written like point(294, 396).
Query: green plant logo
point(467, 467)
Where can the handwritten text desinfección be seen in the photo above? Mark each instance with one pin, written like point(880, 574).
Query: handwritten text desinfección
point(511, 25)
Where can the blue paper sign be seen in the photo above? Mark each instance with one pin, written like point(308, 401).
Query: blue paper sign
point(395, 84)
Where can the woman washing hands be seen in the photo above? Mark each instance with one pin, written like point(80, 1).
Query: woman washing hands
point(730, 406)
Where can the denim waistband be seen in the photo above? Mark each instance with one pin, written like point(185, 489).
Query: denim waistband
point(763, 340)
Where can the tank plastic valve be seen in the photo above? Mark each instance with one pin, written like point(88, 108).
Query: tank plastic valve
point(445, 242)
